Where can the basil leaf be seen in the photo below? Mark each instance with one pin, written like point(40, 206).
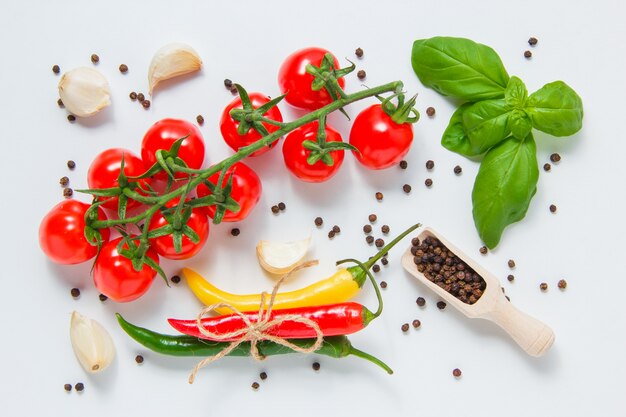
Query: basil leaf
point(516, 94)
point(454, 137)
point(486, 124)
point(556, 109)
point(505, 184)
point(519, 124)
point(459, 67)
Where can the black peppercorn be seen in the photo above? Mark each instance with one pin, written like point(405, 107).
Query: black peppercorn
point(384, 261)
point(64, 181)
point(331, 234)
point(56, 69)
point(372, 218)
point(141, 97)
point(319, 221)
point(369, 239)
point(379, 243)
point(430, 164)
point(139, 359)
point(528, 54)
point(405, 327)
point(441, 305)
point(316, 366)
point(532, 41)
point(456, 372)
point(255, 385)
point(275, 209)
point(228, 84)
point(146, 104)
point(552, 208)
point(428, 182)
point(430, 111)
point(420, 301)
point(367, 228)
point(103, 297)
point(510, 277)
point(123, 68)
point(358, 52)
point(555, 157)
point(379, 196)
point(543, 286)
point(175, 279)
point(383, 284)
point(406, 188)
point(75, 292)
point(376, 268)
point(67, 192)
point(361, 74)
point(67, 387)
point(79, 386)
point(458, 169)
point(133, 95)
point(483, 250)
point(60, 103)
point(281, 206)
point(71, 118)
point(235, 231)
point(71, 164)
point(416, 323)
point(562, 284)
point(200, 119)
point(404, 164)
point(547, 167)
point(95, 58)
point(384, 229)
point(511, 263)
point(263, 375)
point(336, 229)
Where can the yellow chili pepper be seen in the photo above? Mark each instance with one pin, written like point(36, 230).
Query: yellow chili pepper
point(338, 288)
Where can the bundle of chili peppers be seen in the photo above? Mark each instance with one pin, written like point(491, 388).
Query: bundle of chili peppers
point(304, 320)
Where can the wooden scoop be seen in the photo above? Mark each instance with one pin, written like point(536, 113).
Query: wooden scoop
point(532, 335)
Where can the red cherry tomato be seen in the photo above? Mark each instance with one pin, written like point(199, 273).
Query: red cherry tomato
point(163, 134)
point(294, 80)
point(228, 126)
point(115, 276)
point(105, 169)
point(164, 245)
point(295, 155)
point(62, 233)
point(381, 141)
point(246, 191)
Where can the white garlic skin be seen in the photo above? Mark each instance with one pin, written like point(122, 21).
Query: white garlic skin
point(84, 91)
point(91, 342)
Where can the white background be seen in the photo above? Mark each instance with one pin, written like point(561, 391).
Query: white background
point(580, 42)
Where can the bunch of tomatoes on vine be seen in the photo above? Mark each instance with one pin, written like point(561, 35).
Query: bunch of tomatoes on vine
point(160, 202)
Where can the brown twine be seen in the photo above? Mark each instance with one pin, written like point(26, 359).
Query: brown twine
point(258, 331)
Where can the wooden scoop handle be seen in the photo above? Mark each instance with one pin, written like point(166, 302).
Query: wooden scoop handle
point(531, 334)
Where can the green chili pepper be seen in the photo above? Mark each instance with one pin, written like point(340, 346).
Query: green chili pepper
point(333, 346)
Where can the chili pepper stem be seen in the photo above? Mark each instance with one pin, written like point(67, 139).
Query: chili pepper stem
point(369, 315)
point(359, 353)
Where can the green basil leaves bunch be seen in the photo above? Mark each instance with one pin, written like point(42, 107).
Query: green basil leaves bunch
point(496, 120)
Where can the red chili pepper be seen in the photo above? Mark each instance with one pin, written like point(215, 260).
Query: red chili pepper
point(332, 319)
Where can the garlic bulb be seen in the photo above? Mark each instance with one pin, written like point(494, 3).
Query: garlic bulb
point(171, 61)
point(84, 91)
point(91, 342)
point(280, 258)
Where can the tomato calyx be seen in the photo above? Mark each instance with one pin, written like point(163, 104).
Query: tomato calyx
point(219, 197)
point(251, 118)
point(402, 112)
point(177, 218)
point(327, 76)
point(138, 252)
point(320, 149)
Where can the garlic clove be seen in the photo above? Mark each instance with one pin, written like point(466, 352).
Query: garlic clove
point(84, 91)
point(171, 61)
point(91, 342)
point(280, 258)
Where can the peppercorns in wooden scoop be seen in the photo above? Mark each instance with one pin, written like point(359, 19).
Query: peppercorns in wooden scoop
point(464, 284)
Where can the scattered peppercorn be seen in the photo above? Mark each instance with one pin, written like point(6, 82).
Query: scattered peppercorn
point(555, 157)
point(139, 359)
point(372, 218)
point(483, 250)
point(430, 164)
point(458, 169)
point(421, 301)
point(376, 268)
point(416, 323)
point(552, 208)
point(235, 231)
point(316, 366)
point(367, 228)
point(141, 97)
point(71, 164)
point(456, 372)
point(275, 209)
point(415, 241)
point(95, 58)
point(228, 84)
point(331, 234)
point(67, 387)
point(510, 277)
point(75, 292)
point(441, 305)
point(255, 385)
point(358, 52)
point(64, 181)
point(406, 188)
point(428, 182)
point(430, 111)
point(379, 243)
point(319, 221)
point(361, 74)
point(67, 192)
point(79, 386)
point(60, 103)
point(369, 239)
point(123, 68)
point(511, 263)
point(263, 375)
point(384, 260)
point(547, 167)
point(200, 119)
point(384, 229)
point(543, 286)
point(562, 284)
point(336, 229)
point(379, 196)
point(146, 104)
point(403, 164)
point(71, 118)
point(103, 297)
point(175, 279)
point(56, 69)
point(528, 54)
point(532, 41)
point(405, 327)
point(133, 95)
